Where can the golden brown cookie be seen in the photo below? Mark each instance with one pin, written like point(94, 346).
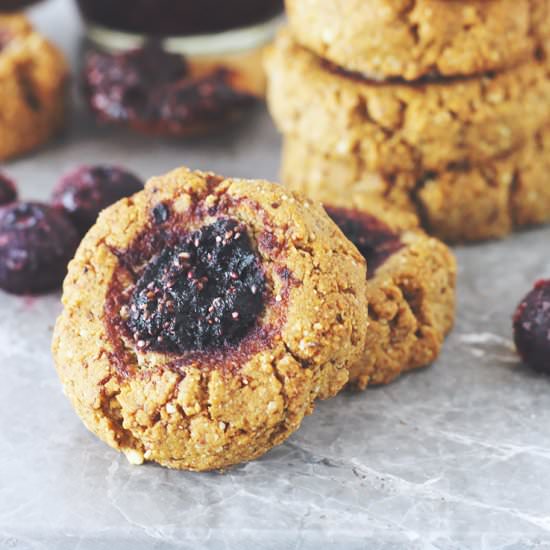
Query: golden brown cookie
point(204, 316)
point(410, 288)
point(33, 76)
point(403, 39)
point(464, 203)
point(395, 127)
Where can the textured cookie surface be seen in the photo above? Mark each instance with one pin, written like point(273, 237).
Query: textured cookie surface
point(466, 203)
point(405, 127)
point(410, 288)
point(33, 75)
point(412, 304)
point(203, 317)
point(411, 40)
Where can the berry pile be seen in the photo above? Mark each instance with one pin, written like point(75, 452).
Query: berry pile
point(87, 190)
point(37, 240)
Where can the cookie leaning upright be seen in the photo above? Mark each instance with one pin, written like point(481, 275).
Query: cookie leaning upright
point(33, 77)
point(203, 317)
point(411, 287)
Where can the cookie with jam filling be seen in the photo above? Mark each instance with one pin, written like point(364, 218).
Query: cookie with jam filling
point(154, 91)
point(204, 316)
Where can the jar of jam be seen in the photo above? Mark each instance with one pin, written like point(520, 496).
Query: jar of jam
point(179, 17)
point(175, 66)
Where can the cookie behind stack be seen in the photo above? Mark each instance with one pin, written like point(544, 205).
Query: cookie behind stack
point(442, 109)
point(33, 79)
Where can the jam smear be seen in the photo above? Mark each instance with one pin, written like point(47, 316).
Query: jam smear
point(532, 327)
point(178, 17)
point(84, 192)
point(204, 293)
point(151, 90)
point(373, 238)
point(36, 244)
point(8, 191)
point(430, 78)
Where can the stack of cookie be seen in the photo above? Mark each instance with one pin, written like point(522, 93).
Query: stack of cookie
point(439, 108)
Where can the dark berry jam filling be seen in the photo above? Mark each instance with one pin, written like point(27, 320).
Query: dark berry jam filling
point(8, 191)
point(532, 327)
point(206, 292)
point(433, 78)
point(36, 244)
point(178, 17)
point(152, 91)
point(87, 190)
point(373, 238)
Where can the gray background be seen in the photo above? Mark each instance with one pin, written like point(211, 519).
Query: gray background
point(453, 456)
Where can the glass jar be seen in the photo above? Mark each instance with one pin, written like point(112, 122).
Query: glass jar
point(212, 36)
point(178, 17)
point(224, 32)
